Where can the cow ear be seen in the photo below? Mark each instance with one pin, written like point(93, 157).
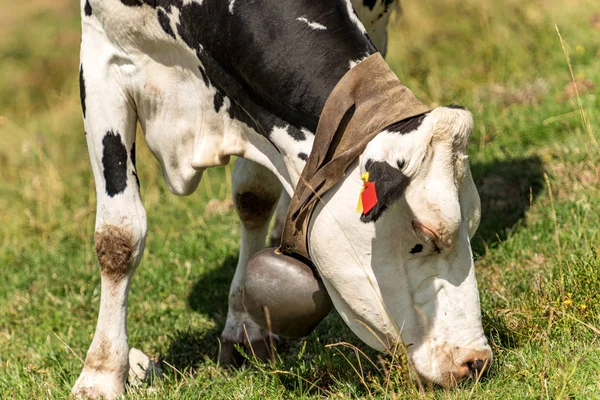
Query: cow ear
point(389, 182)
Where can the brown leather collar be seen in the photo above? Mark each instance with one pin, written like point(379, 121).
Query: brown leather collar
point(367, 99)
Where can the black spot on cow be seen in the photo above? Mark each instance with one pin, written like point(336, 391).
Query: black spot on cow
point(204, 76)
point(82, 89)
point(87, 9)
point(260, 122)
point(132, 156)
point(369, 3)
point(417, 249)
point(456, 106)
point(153, 3)
point(303, 156)
point(165, 23)
point(218, 100)
point(296, 133)
point(132, 3)
point(389, 186)
point(407, 125)
point(114, 162)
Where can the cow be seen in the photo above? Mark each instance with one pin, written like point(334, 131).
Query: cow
point(211, 79)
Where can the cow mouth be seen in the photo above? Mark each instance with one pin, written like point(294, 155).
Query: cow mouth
point(452, 379)
point(457, 372)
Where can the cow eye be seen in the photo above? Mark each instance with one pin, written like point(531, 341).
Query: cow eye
point(417, 249)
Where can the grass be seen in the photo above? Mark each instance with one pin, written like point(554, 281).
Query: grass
point(534, 159)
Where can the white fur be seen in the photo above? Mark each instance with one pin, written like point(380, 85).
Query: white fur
point(314, 25)
point(354, 63)
point(289, 149)
point(354, 18)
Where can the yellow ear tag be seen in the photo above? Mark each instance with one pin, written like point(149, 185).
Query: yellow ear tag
point(365, 178)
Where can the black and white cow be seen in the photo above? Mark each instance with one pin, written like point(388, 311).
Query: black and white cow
point(210, 79)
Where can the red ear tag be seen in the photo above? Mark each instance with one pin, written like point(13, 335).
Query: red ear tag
point(368, 197)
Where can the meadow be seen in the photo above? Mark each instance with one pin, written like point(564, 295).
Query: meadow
point(535, 97)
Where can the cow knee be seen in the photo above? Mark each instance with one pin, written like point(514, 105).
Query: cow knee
point(254, 207)
point(118, 249)
point(255, 193)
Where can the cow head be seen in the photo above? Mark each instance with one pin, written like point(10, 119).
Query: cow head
point(403, 271)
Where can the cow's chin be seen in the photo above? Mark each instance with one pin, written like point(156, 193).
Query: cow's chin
point(386, 294)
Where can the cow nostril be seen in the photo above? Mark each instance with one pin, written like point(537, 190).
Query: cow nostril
point(477, 367)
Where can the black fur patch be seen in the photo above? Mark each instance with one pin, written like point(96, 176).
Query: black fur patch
point(132, 156)
point(87, 9)
point(456, 106)
point(204, 76)
point(389, 186)
point(369, 3)
point(114, 161)
point(218, 100)
point(297, 134)
point(132, 3)
point(303, 156)
point(165, 23)
point(82, 89)
point(285, 88)
point(407, 125)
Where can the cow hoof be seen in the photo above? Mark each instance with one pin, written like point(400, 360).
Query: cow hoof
point(98, 385)
point(141, 368)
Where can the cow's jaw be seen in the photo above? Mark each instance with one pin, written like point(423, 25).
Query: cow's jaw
point(391, 281)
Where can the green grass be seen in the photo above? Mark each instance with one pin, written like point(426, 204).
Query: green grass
point(534, 161)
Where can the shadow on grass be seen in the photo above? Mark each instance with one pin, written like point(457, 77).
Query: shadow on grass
point(210, 293)
point(507, 189)
point(209, 297)
point(189, 348)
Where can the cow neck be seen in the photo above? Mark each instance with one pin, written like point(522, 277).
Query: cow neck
point(364, 102)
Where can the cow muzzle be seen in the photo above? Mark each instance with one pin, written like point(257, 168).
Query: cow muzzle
point(453, 365)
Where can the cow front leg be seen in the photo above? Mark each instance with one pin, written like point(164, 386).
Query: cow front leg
point(280, 215)
point(120, 231)
point(255, 194)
